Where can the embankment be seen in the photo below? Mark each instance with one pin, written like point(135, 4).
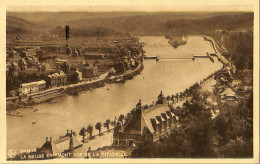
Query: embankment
point(73, 89)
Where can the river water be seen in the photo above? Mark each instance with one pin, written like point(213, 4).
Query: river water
point(74, 112)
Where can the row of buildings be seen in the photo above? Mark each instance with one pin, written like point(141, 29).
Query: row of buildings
point(56, 80)
point(231, 89)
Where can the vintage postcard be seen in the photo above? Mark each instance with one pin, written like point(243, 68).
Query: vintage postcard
point(134, 82)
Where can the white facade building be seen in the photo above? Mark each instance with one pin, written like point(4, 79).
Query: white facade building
point(32, 87)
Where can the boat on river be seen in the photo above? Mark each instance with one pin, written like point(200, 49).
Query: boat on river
point(15, 114)
point(56, 101)
point(119, 80)
point(25, 106)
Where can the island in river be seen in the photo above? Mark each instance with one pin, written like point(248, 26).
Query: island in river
point(176, 40)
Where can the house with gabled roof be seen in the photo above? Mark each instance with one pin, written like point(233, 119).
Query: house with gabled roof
point(150, 123)
point(65, 146)
point(228, 98)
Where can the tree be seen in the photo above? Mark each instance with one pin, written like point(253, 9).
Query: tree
point(90, 130)
point(83, 133)
point(168, 98)
point(177, 97)
point(113, 123)
point(98, 127)
point(58, 30)
point(222, 122)
point(106, 124)
point(196, 135)
point(165, 148)
point(249, 104)
point(181, 95)
point(237, 148)
point(73, 78)
point(121, 118)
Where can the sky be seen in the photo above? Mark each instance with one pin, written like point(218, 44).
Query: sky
point(127, 5)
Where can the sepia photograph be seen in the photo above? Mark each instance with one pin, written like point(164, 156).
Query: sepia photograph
point(119, 82)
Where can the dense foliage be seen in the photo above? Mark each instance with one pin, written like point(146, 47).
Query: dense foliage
point(230, 134)
point(242, 50)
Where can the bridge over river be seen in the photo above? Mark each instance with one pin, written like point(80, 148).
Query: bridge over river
point(157, 58)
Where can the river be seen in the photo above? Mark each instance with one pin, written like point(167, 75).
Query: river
point(74, 112)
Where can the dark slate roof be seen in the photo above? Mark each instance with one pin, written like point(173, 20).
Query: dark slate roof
point(60, 145)
point(147, 118)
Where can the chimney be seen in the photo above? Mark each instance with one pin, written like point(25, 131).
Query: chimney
point(71, 133)
point(67, 131)
point(46, 139)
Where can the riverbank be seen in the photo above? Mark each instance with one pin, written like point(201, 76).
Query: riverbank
point(72, 89)
point(217, 49)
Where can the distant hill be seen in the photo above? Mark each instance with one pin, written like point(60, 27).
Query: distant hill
point(136, 23)
point(162, 24)
point(19, 26)
point(56, 18)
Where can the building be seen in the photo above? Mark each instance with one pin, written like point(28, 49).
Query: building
point(150, 123)
point(16, 68)
point(79, 75)
point(75, 53)
point(8, 72)
point(12, 69)
point(32, 87)
point(120, 67)
point(48, 65)
point(133, 63)
point(44, 96)
point(111, 56)
point(90, 72)
point(236, 84)
point(127, 64)
point(54, 48)
point(228, 97)
point(64, 147)
point(23, 64)
point(94, 55)
point(58, 79)
point(19, 48)
point(39, 52)
point(14, 54)
point(24, 54)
